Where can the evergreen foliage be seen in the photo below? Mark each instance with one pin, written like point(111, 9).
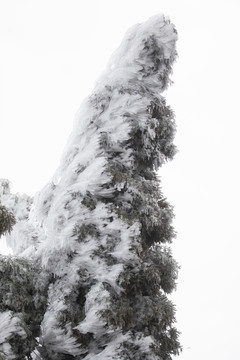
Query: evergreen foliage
point(99, 233)
point(7, 220)
point(23, 299)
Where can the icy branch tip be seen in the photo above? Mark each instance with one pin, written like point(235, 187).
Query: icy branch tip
point(148, 46)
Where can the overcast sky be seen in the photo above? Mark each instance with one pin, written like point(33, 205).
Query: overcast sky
point(52, 51)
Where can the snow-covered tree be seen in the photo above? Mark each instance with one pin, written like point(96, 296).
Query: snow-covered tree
point(15, 210)
point(99, 232)
point(23, 300)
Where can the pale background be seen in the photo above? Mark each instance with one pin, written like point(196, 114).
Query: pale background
point(52, 51)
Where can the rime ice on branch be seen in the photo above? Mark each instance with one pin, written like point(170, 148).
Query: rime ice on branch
point(18, 208)
point(102, 226)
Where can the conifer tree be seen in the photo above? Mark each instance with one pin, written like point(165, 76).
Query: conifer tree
point(23, 286)
point(100, 230)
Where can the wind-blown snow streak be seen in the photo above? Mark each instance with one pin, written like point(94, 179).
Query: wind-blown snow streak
point(9, 326)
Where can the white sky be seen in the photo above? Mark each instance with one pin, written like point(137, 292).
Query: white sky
point(52, 51)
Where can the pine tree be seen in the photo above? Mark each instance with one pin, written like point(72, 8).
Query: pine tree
point(23, 286)
point(100, 231)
